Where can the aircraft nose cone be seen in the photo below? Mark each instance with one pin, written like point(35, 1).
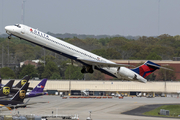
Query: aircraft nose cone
point(8, 28)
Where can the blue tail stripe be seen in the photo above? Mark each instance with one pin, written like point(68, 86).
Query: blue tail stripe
point(143, 71)
point(147, 72)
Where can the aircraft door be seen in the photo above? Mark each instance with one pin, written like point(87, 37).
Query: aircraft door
point(23, 30)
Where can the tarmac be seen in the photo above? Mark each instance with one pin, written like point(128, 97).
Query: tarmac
point(101, 109)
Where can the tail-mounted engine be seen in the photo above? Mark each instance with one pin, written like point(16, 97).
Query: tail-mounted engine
point(129, 74)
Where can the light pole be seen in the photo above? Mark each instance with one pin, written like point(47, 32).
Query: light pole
point(90, 114)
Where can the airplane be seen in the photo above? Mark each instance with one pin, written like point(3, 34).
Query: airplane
point(20, 83)
point(38, 90)
point(17, 99)
point(89, 60)
point(5, 90)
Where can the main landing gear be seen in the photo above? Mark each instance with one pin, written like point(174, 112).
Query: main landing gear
point(87, 69)
point(9, 37)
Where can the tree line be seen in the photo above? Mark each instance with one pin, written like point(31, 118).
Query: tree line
point(14, 51)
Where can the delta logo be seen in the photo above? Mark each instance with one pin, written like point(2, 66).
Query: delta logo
point(38, 33)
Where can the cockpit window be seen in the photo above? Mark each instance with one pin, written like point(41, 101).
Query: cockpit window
point(17, 25)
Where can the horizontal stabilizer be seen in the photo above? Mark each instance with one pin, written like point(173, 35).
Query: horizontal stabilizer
point(158, 66)
point(166, 68)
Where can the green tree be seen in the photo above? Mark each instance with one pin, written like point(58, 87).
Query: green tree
point(55, 76)
point(109, 53)
point(49, 69)
point(40, 70)
point(48, 58)
point(28, 70)
point(97, 75)
point(104, 41)
point(7, 73)
point(73, 72)
point(151, 77)
point(117, 42)
point(153, 56)
point(166, 75)
point(62, 68)
point(24, 52)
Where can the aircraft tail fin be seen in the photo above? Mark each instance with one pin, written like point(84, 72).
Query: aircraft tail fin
point(40, 86)
point(5, 90)
point(24, 80)
point(20, 95)
point(146, 69)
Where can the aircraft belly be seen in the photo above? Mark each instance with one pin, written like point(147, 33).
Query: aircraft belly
point(63, 50)
point(106, 71)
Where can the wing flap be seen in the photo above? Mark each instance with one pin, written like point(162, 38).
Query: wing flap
point(102, 64)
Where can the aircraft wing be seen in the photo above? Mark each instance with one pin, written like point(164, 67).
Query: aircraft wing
point(102, 64)
point(9, 106)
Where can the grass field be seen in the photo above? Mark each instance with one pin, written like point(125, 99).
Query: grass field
point(174, 111)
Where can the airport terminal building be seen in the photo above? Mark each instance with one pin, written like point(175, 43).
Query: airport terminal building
point(107, 88)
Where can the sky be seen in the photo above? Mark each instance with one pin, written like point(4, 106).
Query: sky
point(95, 17)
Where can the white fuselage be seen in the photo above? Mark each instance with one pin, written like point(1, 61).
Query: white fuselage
point(42, 39)
point(73, 52)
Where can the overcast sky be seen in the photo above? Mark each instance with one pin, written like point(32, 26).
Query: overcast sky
point(96, 17)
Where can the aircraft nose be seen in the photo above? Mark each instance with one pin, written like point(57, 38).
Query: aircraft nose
point(8, 28)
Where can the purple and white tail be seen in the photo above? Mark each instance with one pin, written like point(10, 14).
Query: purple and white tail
point(40, 86)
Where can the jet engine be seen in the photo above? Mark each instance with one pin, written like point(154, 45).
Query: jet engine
point(129, 74)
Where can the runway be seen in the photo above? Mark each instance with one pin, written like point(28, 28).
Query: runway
point(102, 109)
